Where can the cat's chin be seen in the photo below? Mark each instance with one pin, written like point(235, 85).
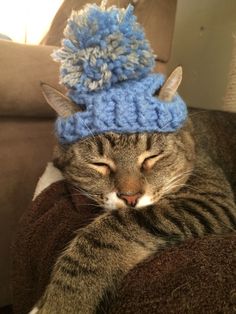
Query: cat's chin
point(111, 207)
point(112, 202)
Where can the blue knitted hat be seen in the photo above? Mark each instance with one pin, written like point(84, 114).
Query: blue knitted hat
point(106, 65)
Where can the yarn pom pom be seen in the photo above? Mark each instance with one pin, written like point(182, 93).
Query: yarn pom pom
point(103, 47)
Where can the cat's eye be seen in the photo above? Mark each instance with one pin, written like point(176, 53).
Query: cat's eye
point(100, 164)
point(150, 161)
point(101, 167)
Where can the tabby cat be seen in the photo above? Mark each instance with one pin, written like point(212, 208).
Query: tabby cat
point(155, 191)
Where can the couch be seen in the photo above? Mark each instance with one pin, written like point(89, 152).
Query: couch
point(26, 121)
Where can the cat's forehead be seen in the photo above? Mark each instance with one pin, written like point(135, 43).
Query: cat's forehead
point(115, 143)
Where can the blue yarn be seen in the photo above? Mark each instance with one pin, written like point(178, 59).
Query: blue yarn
point(106, 63)
point(103, 47)
point(128, 107)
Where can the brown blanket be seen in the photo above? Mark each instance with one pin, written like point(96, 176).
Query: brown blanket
point(197, 277)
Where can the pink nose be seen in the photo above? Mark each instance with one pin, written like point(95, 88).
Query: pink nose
point(130, 199)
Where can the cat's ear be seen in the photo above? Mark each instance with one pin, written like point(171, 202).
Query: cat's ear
point(171, 85)
point(63, 106)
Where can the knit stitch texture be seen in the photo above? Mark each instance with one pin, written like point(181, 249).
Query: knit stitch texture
point(128, 107)
point(106, 65)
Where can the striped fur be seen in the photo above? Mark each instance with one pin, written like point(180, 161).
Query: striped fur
point(190, 198)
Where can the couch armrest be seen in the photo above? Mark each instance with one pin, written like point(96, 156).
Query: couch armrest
point(22, 67)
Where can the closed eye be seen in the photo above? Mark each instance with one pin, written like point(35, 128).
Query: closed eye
point(102, 167)
point(150, 161)
point(100, 164)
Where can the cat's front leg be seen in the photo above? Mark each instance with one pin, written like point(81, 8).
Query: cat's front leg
point(96, 261)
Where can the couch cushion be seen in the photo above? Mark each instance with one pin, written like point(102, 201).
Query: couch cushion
point(22, 67)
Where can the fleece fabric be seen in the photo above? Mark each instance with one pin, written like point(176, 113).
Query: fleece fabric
point(196, 277)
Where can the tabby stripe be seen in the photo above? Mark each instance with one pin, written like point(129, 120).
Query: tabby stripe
point(144, 223)
point(151, 214)
point(148, 142)
point(217, 189)
point(214, 182)
point(76, 264)
point(110, 140)
point(118, 217)
point(115, 228)
point(100, 147)
point(83, 250)
point(69, 260)
point(194, 231)
point(80, 270)
point(70, 272)
point(190, 208)
point(175, 221)
point(205, 204)
point(64, 286)
point(217, 194)
point(136, 139)
point(226, 211)
point(113, 225)
point(97, 244)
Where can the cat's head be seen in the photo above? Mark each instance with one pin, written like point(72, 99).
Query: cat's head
point(120, 170)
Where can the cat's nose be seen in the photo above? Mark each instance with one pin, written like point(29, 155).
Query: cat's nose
point(130, 198)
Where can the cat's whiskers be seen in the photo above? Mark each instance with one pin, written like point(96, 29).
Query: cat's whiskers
point(85, 193)
point(90, 131)
point(181, 175)
point(172, 187)
point(163, 127)
point(171, 184)
point(174, 182)
point(165, 191)
point(87, 204)
point(90, 204)
point(194, 188)
point(196, 113)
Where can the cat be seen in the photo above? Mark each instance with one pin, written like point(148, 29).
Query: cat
point(156, 190)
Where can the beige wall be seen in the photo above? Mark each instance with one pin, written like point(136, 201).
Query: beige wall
point(203, 44)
